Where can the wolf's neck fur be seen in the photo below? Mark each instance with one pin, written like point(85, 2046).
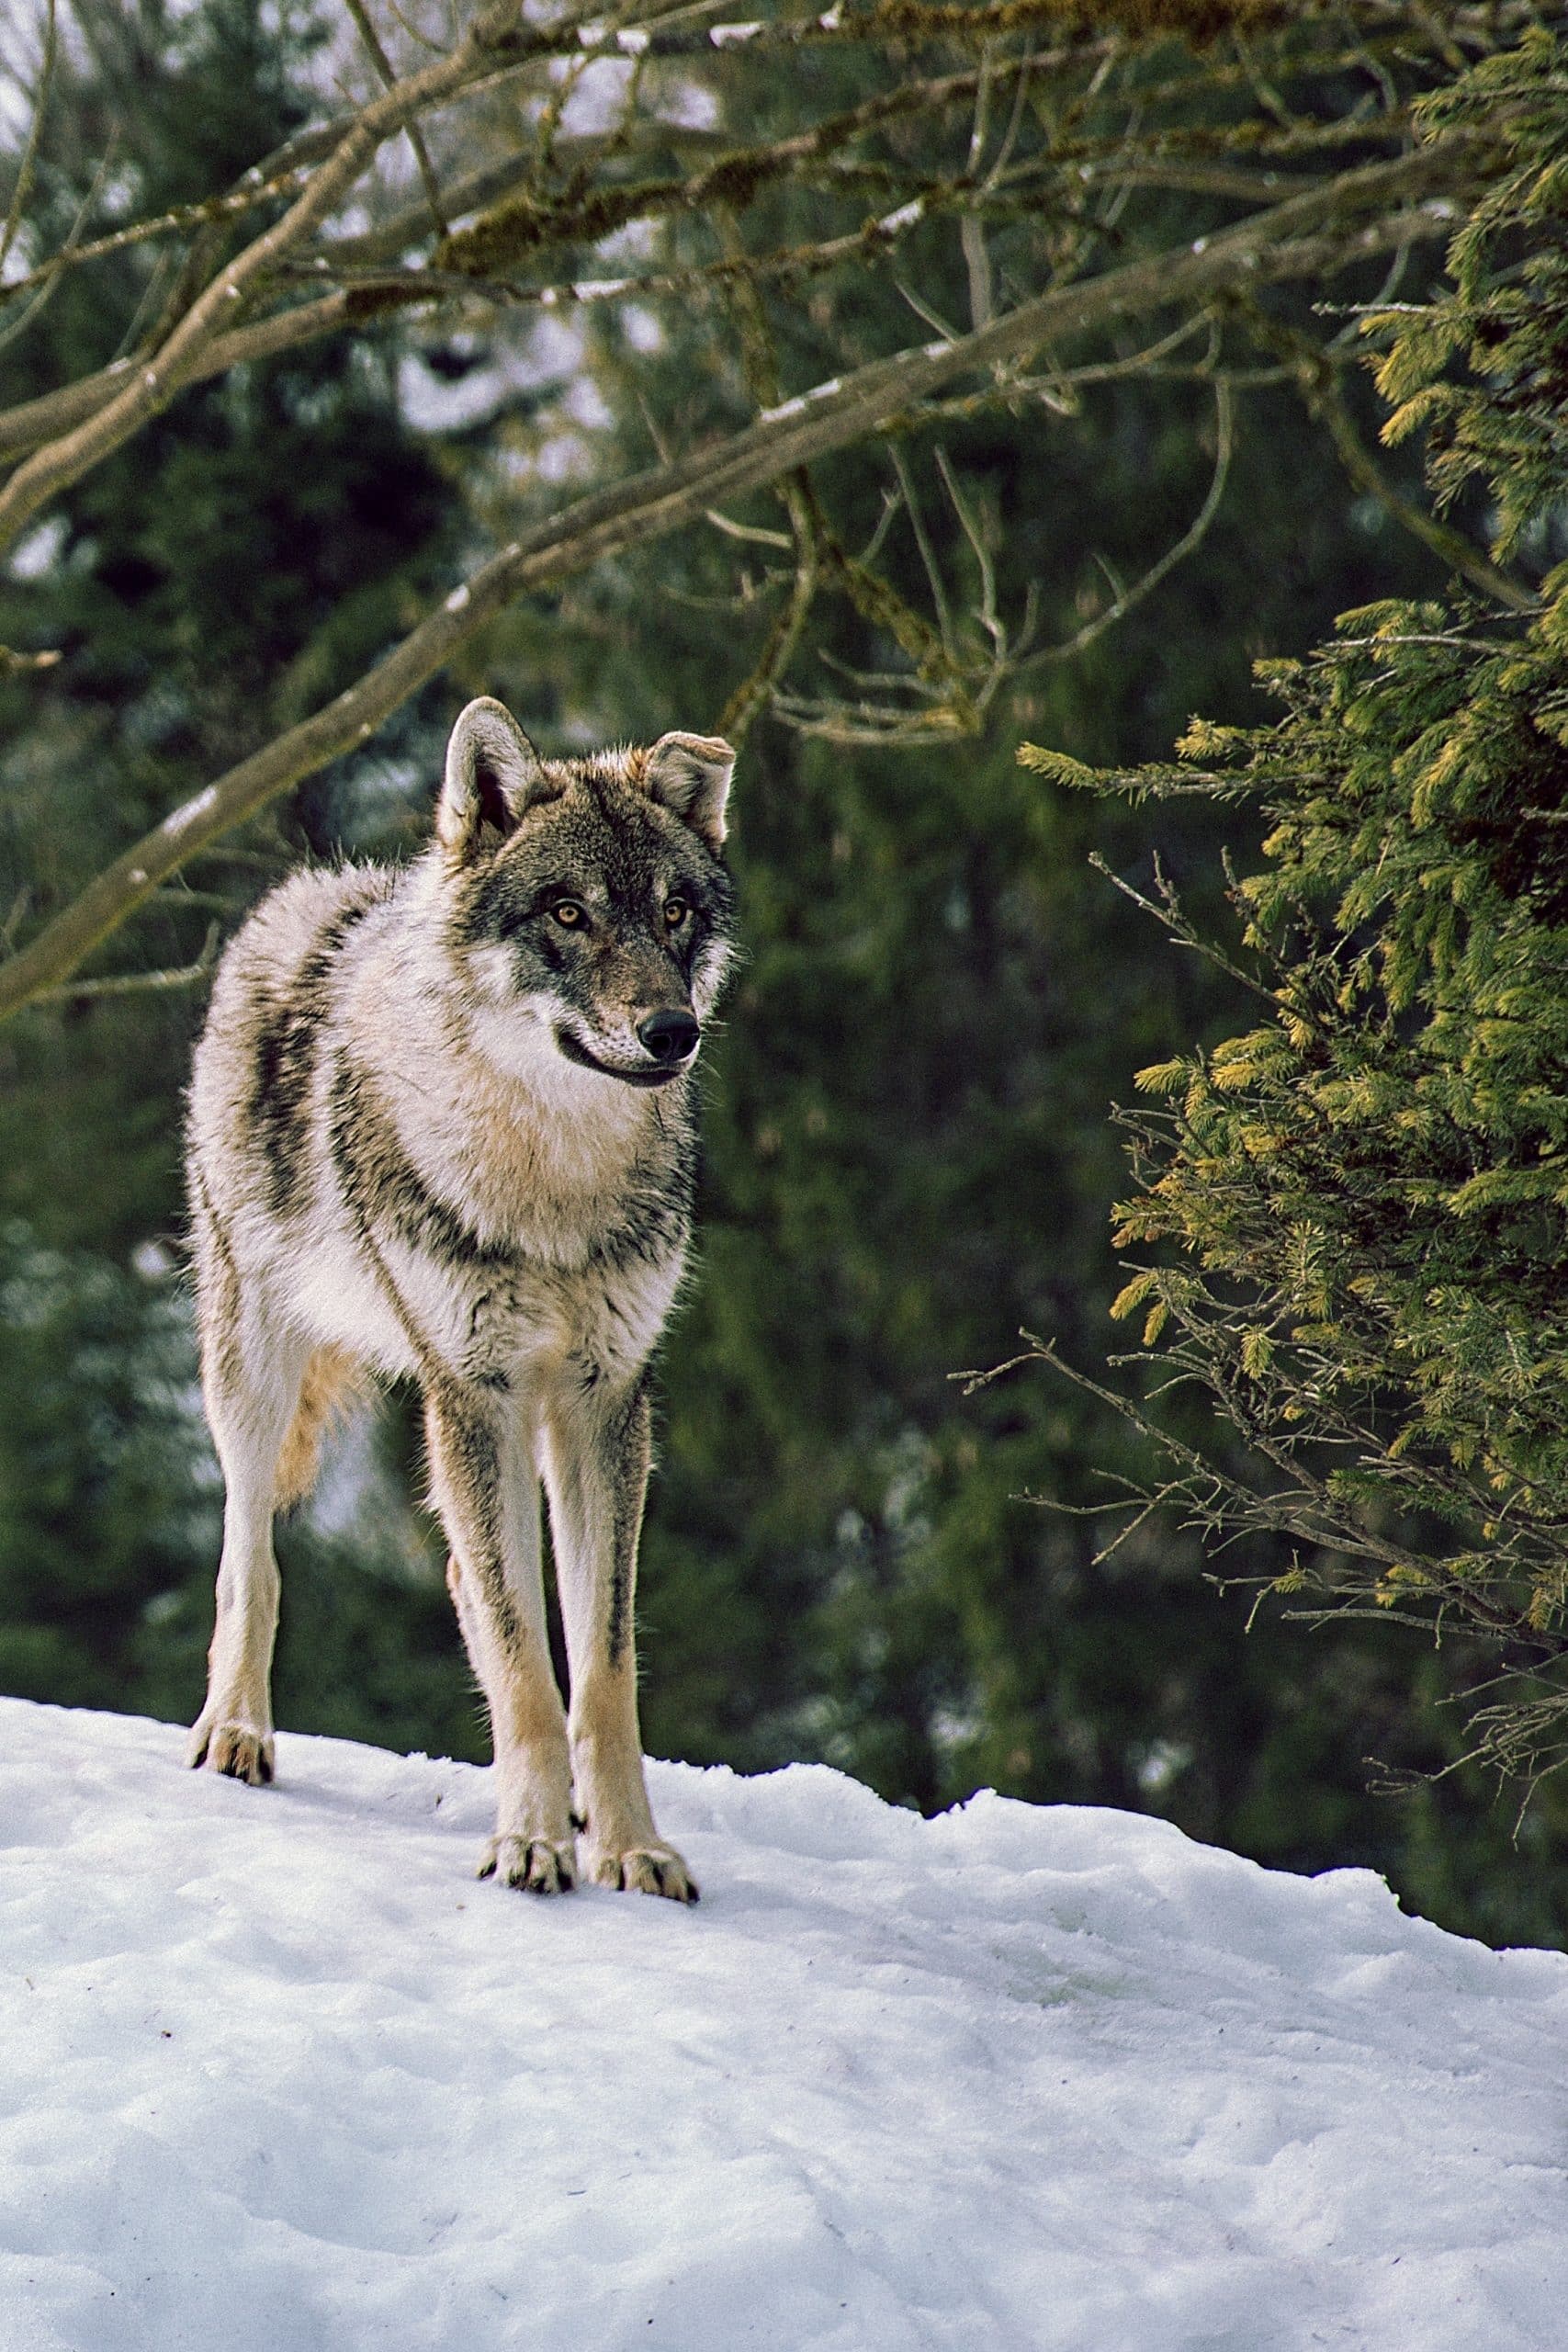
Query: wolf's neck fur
point(492, 1113)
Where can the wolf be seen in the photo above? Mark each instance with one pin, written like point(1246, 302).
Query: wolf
point(443, 1126)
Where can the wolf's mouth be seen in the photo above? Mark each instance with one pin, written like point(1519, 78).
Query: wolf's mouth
point(657, 1074)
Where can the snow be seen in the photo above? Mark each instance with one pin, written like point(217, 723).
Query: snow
point(280, 2076)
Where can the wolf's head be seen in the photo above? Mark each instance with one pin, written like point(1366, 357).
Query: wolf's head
point(585, 900)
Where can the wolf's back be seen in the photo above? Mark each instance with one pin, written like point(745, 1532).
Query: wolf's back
point(252, 1154)
point(277, 990)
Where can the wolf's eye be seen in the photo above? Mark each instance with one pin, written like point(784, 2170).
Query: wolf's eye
point(569, 915)
point(675, 913)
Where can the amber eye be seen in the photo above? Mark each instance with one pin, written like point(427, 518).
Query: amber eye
point(675, 913)
point(569, 915)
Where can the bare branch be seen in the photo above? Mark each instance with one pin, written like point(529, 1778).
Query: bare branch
point(954, 676)
point(34, 422)
point(208, 211)
point(749, 698)
point(23, 188)
point(1316, 380)
point(383, 65)
point(490, 182)
point(1129, 598)
point(464, 260)
point(1366, 213)
point(15, 917)
point(184, 975)
point(463, 268)
point(152, 385)
point(1166, 911)
point(18, 325)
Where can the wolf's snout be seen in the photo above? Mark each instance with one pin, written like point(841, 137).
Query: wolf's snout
point(669, 1036)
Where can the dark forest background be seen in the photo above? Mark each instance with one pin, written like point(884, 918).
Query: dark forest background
point(909, 1152)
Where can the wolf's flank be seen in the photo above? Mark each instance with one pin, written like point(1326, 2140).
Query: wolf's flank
point(443, 1126)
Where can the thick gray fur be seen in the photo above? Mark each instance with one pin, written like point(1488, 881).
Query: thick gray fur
point(433, 1136)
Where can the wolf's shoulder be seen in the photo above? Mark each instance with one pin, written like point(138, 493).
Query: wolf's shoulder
point(310, 915)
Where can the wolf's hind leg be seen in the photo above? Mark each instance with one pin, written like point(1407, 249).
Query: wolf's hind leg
point(596, 1462)
point(486, 1490)
point(251, 1380)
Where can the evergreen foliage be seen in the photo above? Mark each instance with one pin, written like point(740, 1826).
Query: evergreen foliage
point(1365, 1194)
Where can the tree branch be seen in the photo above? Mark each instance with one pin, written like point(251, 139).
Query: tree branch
point(154, 382)
point(33, 422)
point(1315, 380)
point(35, 131)
point(1365, 213)
point(184, 975)
point(1129, 598)
point(383, 65)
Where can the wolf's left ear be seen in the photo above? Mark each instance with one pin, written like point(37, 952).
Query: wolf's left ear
point(493, 773)
point(690, 775)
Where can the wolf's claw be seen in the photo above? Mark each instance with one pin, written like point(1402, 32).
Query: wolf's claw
point(234, 1750)
point(648, 1870)
point(532, 1863)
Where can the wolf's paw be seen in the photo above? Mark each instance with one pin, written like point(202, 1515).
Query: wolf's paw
point(234, 1749)
point(646, 1869)
point(534, 1863)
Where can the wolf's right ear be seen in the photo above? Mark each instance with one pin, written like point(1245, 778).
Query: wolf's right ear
point(690, 775)
point(493, 773)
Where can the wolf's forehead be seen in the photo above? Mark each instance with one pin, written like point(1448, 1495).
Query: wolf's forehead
point(601, 838)
point(606, 826)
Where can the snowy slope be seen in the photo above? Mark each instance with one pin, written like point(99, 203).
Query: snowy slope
point(279, 2077)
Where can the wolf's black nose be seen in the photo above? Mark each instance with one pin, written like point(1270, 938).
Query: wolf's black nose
point(669, 1036)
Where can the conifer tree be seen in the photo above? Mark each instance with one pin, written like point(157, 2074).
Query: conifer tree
point(1359, 1204)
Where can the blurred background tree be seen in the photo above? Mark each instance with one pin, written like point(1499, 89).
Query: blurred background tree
point(909, 1149)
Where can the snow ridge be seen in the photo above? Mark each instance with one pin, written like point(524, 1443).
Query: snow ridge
point(279, 2077)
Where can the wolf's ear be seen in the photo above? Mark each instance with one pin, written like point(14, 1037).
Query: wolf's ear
point(690, 775)
point(493, 773)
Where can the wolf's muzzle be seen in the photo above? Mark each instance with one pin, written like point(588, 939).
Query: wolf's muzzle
point(652, 1073)
point(669, 1036)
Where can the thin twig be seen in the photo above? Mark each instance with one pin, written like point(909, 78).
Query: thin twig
point(1166, 911)
point(741, 711)
point(1129, 599)
point(23, 188)
point(1318, 384)
point(44, 291)
point(138, 983)
point(416, 136)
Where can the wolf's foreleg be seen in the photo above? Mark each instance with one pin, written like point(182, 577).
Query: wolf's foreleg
point(596, 1462)
point(251, 1378)
point(486, 1491)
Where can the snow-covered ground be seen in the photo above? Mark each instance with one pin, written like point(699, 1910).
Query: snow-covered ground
point(280, 2076)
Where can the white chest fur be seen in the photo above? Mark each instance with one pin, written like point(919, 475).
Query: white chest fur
point(515, 1226)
